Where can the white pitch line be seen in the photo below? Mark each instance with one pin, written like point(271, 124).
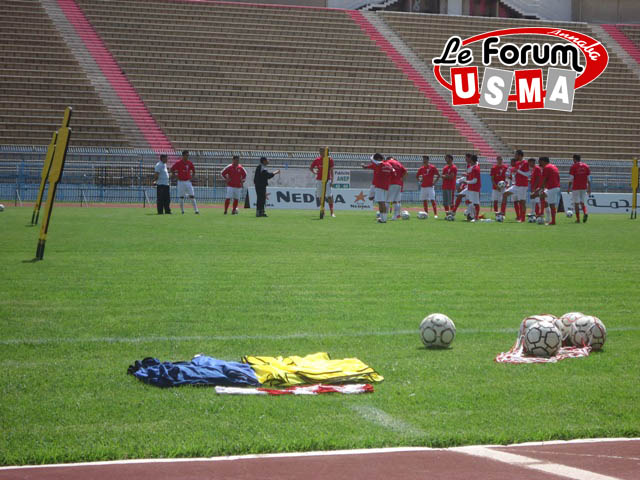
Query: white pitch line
point(375, 415)
point(533, 463)
point(284, 336)
point(322, 453)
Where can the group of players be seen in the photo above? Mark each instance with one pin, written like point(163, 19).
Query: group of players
point(540, 181)
point(522, 178)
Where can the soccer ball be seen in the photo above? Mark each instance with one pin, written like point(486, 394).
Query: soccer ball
point(1, 207)
point(531, 218)
point(542, 339)
point(598, 334)
point(405, 215)
point(378, 215)
point(423, 215)
point(540, 220)
point(499, 218)
point(580, 334)
point(501, 184)
point(588, 330)
point(569, 213)
point(533, 319)
point(566, 321)
point(437, 331)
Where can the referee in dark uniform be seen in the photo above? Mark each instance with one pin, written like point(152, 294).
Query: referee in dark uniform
point(261, 180)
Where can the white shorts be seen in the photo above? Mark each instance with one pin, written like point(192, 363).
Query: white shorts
point(234, 192)
point(394, 193)
point(579, 196)
point(372, 192)
point(553, 195)
point(327, 192)
point(185, 188)
point(473, 197)
point(496, 195)
point(381, 195)
point(511, 190)
point(462, 193)
point(427, 193)
point(521, 193)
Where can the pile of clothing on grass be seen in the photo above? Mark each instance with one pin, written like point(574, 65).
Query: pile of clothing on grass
point(259, 375)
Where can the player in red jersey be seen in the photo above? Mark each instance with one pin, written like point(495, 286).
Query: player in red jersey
point(234, 175)
point(535, 182)
point(474, 186)
point(550, 187)
point(426, 180)
point(382, 173)
point(579, 186)
point(523, 173)
point(449, 174)
point(185, 171)
point(498, 174)
point(396, 186)
point(316, 169)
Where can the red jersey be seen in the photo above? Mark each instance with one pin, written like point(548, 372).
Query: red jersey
point(451, 183)
point(474, 172)
point(184, 168)
point(234, 174)
point(522, 180)
point(498, 174)
point(400, 171)
point(317, 163)
point(551, 175)
point(382, 173)
point(427, 173)
point(580, 172)
point(536, 178)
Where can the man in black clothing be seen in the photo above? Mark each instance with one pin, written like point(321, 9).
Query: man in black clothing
point(261, 180)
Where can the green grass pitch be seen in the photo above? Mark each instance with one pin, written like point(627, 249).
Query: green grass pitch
point(120, 284)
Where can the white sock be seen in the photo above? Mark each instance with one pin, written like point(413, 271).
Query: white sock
point(383, 217)
point(195, 206)
point(182, 204)
point(547, 214)
point(397, 208)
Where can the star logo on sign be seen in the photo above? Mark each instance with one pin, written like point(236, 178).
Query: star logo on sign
point(360, 197)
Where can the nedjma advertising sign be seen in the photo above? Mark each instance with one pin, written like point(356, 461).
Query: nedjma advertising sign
point(585, 57)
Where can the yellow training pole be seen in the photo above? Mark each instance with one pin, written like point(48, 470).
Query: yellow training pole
point(43, 181)
point(55, 174)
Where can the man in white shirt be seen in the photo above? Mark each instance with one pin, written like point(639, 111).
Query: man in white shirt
point(161, 179)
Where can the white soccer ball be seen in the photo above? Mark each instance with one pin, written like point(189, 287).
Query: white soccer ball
point(566, 321)
point(588, 331)
point(501, 184)
point(423, 215)
point(540, 220)
point(542, 339)
point(405, 215)
point(580, 334)
point(1, 207)
point(598, 334)
point(569, 213)
point(532, 320)
point(437, 331)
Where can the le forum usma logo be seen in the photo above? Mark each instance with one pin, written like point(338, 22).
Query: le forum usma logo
point(582, 57)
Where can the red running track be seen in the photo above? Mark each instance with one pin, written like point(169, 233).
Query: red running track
point(591, 460)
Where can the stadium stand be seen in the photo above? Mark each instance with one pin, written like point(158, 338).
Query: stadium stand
point(632, 32)
point(39, 78)
point(222, 76)
point(604, 121)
